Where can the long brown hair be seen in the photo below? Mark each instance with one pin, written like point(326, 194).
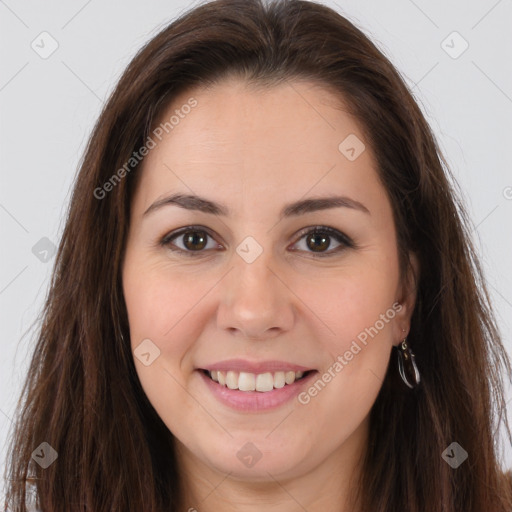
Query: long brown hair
point(82, 395)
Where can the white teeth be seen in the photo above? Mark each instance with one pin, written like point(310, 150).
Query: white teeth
point(262, 382)
point(232, 380)
point(279, 380)
point(289, 377)
point(247, 382)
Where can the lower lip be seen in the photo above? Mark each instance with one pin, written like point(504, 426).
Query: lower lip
point(251, 401)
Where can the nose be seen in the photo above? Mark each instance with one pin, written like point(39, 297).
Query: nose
point(256, 302)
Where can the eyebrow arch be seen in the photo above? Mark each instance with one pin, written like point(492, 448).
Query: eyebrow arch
point(193, 202)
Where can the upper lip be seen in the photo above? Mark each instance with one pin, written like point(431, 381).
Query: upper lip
point(242, 365)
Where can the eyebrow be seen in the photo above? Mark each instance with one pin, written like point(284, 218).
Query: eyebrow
point(194, 202)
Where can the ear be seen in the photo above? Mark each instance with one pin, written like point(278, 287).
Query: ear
point(406, 297)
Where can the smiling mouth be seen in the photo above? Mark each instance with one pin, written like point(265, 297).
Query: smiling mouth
point(263, 382)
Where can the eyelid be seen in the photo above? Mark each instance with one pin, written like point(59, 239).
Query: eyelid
point(165, 241)
point(333, 232)
point(344, 240)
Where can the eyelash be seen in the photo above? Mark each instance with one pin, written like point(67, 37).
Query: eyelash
point(340, 237)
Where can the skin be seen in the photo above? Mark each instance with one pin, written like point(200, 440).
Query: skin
point(255, 151)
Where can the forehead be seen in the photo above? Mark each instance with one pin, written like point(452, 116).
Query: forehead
point(285, 138)
point(233, 115)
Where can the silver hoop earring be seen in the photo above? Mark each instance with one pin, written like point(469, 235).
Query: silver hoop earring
point(407, 365)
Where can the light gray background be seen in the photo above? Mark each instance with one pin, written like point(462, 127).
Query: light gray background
point(48, 107)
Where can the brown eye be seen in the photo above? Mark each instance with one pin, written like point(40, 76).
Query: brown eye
point(319, 239)
point(318, 242)
point(190, 241)
point(194, 240)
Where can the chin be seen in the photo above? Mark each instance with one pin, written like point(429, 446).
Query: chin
point(250, 463)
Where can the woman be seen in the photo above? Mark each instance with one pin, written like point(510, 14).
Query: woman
point(265, 294)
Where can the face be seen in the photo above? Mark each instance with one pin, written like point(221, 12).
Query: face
point(258, 291)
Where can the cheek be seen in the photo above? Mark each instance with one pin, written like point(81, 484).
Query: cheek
point(160, 306)
point(159, 302)
point(349, 382)
point(357, 309)
point(351, 302)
